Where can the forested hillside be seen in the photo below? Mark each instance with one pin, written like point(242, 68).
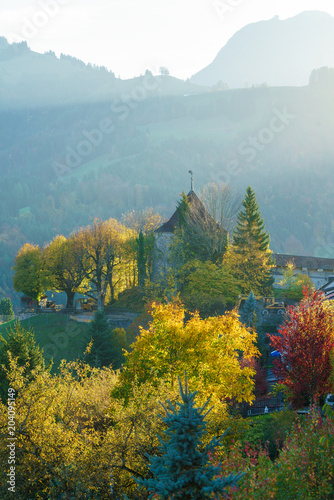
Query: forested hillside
point(63, 165)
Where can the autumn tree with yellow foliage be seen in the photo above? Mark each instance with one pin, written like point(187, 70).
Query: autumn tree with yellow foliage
point(103, 256)
point(211, 350)
point(58, 423)
point(292, 283)
point(28, 272)
point(76, 439)
point(63, 266)
point(72, 440)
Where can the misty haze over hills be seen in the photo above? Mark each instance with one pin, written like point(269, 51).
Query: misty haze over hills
point(275, 52)
point(77, 143)
point(31, 80)
point(278, 53)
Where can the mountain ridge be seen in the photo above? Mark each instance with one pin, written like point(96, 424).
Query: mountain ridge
point(30, 79)
point(270, 52)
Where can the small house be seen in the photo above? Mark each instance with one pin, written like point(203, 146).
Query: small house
point(319, 269)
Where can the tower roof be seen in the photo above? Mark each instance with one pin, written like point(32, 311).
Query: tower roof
point(197, 212)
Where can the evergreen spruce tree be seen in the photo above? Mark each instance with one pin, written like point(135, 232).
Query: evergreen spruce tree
point(108, 345)
point(118, 344)
point(250, 225)
point(101, 352)
point(19, 344)
point(248, 257)
point(248, 311)
point(183, 471)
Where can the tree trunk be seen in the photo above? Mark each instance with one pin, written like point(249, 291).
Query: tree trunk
point(70, 298)
point(100, 300)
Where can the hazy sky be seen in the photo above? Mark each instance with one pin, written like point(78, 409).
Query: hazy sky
point(130, 36)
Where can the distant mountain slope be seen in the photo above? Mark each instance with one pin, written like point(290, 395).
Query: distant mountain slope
point(29, 80)
point(279, 53)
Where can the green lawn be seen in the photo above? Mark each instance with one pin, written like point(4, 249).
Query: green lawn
point(58, 336)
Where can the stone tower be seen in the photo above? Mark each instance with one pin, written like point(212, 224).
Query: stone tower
point(164, 234)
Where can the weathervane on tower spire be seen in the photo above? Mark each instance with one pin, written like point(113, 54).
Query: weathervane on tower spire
point(192, 180)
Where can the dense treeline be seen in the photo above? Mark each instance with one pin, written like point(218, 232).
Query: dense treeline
point(106, 258)
point(99, 261)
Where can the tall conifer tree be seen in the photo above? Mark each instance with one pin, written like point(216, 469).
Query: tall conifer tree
point(248, 257)
point(108, 344)
point(6, 308)
point(250, 225)
point(101, 352)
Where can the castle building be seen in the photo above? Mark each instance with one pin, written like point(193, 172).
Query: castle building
point(197, 216)
point(319, 269)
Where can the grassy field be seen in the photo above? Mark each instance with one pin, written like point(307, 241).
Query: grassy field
point(58, 336)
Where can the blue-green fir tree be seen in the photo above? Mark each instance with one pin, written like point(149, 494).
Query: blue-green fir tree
point(248, 312)
point(183, 471)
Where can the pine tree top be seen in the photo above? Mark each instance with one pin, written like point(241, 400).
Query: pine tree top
point(182, 209)
point(250, 227)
